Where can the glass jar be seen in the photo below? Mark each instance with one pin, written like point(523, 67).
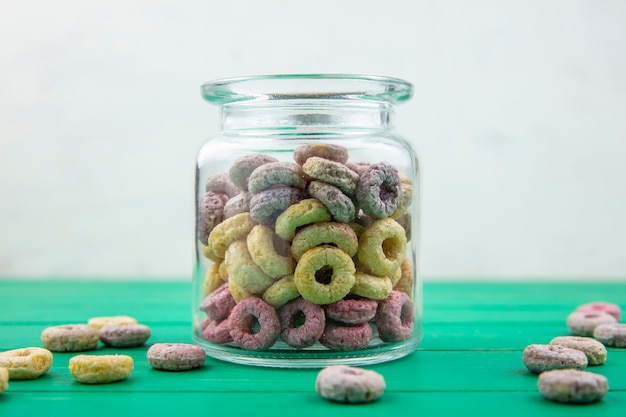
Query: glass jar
point(307, 213)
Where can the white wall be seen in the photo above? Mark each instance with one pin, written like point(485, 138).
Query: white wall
point(518, 118)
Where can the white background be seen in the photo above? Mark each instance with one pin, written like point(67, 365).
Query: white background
point(519, 118)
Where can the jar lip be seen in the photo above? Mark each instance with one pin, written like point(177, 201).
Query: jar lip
point(307, 87)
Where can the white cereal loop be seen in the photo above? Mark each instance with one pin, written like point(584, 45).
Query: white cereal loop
point(175, 357)
point(540, 358)
point(26, 363)
point(611, 334)
point(348, 384)
point(581, 323)
point(70, 338)
point(100, 369)
point(572, 386)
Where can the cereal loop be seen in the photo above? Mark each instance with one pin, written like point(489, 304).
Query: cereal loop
point(338, 234)
point(70, 338)
point(323, 150)
point(332, 172)
point(239, 294)
point(281, 292)
point(302, 323)
point(175, 357)
point(267, 205)
point(212, 279)
point(572, 386)
point(276, 173)
point(26, 363)
point(382, 247)
point(260, 243)
point(352, 310)
point(241, 169)
point(540, 358)
point(394, 319)
point(338, 204)
point(324, 274)
point(228, 231)
point(243, 320)
point(218, 304)
point(243, 271)
point(210, 214)
point(98, 322)
point(305, 212)
point(378, 190)
point(4, 380)
point(347, 384)
point(371, 286)
point(128, 336)
point(102, 369)
point(217, 331)
point(338, 336)
point(221, 184)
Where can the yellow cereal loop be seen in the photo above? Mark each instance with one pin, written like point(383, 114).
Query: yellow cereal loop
point(261, 247)
point(100, 369)
point(98, 322)
point(4, 380)
point(281, 292)
point(239, 294)
point(26, 363)
point(371, 286)
point(230, 230)
point(243, 271)
point(338, 234)
point(223, 272)
point(306, 211)
point(324, 274)
point(212, 279)
point(405, 284)
point(382, 247)
point(208, 253)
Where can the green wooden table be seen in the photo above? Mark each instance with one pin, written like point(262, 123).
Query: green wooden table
point(468, 364)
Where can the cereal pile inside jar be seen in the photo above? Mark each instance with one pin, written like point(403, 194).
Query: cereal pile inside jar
point(309, 253)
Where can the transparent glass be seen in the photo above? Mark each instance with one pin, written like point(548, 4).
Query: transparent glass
point(307, 218)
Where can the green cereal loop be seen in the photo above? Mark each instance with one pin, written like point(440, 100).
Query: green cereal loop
point(313, 270)
point(341, 207)
point(382, 247)
point(228, 231)
point(332, 172)
point(339, 234)
point(261, 247)
point(371, 286)
point(281, 292)
point(305, 212)
point(243, 271)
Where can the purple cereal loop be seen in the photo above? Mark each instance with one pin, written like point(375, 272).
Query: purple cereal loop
point(332, 172)
point(237, 204)
point(378, 190)
point(126, 336)
point(394, 319)
point(243, 318)
point(241, 169)
point(336, 153)
point(210, 214)
point(343, 337)
point(175, 356)
point(301, 335)
point(352, 310)
point(276, 173)
point(217, 331)
point(267, 205)
point(338, 204)
point(221, 184)
point(218, 304)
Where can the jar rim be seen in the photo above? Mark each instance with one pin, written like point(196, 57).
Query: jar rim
point(307, 87)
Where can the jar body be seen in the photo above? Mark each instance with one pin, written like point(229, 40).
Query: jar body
point(306, 238)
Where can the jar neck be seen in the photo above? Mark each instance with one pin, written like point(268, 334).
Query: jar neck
point(306, 115)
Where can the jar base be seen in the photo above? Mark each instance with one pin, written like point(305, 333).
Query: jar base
point(288, 358)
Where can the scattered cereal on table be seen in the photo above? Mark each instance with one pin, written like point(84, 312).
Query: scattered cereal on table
point(572, 386)
point(100, 369)
point(26, 363)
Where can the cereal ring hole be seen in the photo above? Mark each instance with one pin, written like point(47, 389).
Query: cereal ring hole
point(298, 319)
point(390, 247)
point(406, 315)
point(324, 275)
